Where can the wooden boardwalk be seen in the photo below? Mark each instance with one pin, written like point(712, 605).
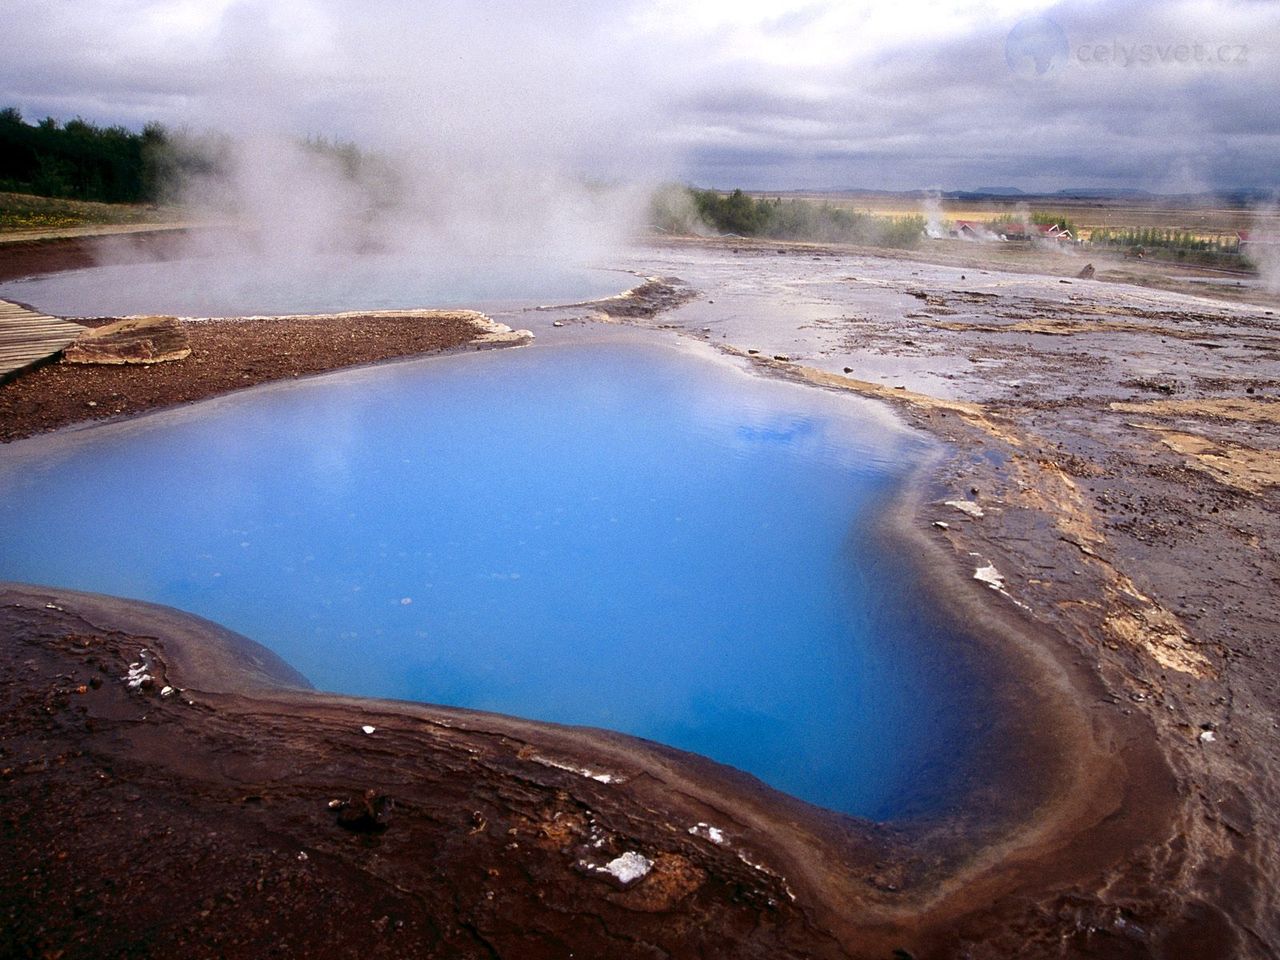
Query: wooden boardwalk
point(27, 337)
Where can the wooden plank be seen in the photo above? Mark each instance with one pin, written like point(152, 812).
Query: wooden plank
point(36, 334)
point(28, 337)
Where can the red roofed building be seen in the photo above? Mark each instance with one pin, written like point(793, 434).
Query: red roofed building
point(1032, 231)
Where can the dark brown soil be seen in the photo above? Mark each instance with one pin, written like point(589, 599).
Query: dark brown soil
point(225, 355)
point(171, 821)
point(22, 258)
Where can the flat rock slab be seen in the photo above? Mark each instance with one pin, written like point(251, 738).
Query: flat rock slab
point(135, 340)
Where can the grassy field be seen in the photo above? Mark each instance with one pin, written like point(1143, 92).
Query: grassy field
point(1202, 222)
point(21, 213)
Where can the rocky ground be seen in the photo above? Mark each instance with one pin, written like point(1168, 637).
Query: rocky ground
point(230, 355)
point(1115, 449)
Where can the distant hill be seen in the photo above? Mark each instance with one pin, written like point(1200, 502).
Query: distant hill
point(1103, 193)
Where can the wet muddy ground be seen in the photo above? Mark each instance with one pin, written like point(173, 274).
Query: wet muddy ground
point(1115, 452)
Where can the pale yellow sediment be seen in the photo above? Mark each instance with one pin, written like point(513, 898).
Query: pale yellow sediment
point(1231, 464)
point(1242, 409)
point(1038, 484)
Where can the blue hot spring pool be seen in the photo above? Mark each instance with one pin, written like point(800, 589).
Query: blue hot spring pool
point(630, 535)
point(244, 286)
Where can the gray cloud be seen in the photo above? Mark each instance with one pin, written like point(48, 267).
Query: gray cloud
point(815, 94)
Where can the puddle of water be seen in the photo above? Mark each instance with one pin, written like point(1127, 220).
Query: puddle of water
point(246, 287)
point(630, 536)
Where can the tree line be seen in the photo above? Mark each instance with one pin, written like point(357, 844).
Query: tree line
point(678, 209)
point(79, 160)
point(1156, 238)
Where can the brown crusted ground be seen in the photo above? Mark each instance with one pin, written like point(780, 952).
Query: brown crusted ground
point(196, 816)
point(25, 256)
point(196, 823)
point(225, 355)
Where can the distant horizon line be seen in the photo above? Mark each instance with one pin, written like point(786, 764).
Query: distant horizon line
point(1016, 193)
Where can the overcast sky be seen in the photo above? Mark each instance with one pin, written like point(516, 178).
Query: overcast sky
point(1167, 96)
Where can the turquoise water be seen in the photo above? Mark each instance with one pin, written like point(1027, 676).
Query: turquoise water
point(245, 286)
point(627, 535)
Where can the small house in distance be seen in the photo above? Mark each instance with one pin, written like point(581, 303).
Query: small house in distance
point(1251, 244)
point(973, 230)
point(1032, 231)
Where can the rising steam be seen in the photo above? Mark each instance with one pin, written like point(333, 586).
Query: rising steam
point(474, 139)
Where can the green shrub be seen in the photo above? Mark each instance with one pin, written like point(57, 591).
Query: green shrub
point(690, 210)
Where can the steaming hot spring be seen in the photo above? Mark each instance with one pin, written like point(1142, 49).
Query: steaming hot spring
point(222, 286)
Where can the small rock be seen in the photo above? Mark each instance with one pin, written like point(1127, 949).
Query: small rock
point(1207, 736)
point(708, 832)
point(368, 729)
point(629, 867)
point(557, 323)
point(992, 577)
point(1086, 273)
point(848, 369)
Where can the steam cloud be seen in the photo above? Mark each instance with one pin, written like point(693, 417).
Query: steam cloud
point(1264, 249)
point(483, 134)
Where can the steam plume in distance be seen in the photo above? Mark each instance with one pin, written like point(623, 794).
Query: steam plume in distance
point(481, 130)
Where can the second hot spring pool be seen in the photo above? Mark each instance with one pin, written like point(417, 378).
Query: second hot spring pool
point(242, 285)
